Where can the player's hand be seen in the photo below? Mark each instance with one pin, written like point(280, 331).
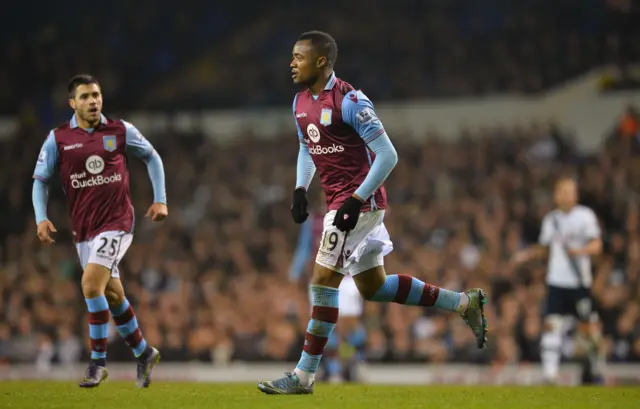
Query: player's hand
point(299, 206)
point(347, 215)
point(519, 257)
point(575, 252)
point(45, 228)
point(157, 212)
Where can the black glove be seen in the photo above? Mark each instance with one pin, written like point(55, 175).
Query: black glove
point(347, 215)
point(299, 206)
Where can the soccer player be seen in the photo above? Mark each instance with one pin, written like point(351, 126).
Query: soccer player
point(569, 237)
point(341, 136)
point(89, 152)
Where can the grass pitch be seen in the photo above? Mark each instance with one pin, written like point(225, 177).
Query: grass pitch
point(121, 395)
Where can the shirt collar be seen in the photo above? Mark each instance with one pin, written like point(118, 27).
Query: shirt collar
point(331, 83)
point(74, 121)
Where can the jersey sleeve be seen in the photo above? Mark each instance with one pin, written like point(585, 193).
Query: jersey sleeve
point(47, 159)
point(137, 143)
point(300, 136)
point(592, 227)
point(359, 113)
point(546, 233)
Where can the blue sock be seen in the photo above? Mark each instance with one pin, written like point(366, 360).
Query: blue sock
point(128, 328)
point(407, 290)
point(98, 327)
point(324, 316)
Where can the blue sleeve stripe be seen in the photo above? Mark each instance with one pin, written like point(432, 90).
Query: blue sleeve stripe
point(155, 169)
point(305, 168)
point(375, 135)
point(39, 199)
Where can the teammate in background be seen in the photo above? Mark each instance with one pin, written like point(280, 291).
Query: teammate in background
point(570, 235)
point(345, 347)
point(90, 154)
point(341, 136)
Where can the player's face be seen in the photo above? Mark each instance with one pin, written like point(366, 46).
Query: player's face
point(305, 63)
point(87, 102)
point(566, 194)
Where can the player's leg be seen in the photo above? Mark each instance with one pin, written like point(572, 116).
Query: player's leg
point(94, 281)
point(99, 256)
point(127, 324)
point(331, 363)
point(375, 285)
point(589, 337)
point(324, 315)
point(552, 333)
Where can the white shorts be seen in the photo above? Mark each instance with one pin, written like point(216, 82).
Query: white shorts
point(106, 249)
point(363, 249)
point(349, 298)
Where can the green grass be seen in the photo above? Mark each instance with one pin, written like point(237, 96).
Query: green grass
point(120, 395)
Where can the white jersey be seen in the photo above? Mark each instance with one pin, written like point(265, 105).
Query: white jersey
point(572, 230)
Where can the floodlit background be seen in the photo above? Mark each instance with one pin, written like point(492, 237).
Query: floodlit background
point(486, 102)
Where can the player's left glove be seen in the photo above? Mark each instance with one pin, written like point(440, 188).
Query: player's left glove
point(347, 215)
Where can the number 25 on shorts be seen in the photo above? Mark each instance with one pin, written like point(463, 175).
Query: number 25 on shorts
point(108, 246)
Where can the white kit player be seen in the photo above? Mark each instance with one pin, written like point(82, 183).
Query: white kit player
point(569, 237)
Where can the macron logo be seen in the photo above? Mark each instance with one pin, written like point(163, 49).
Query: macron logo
point(74, 146)
point(301, 115)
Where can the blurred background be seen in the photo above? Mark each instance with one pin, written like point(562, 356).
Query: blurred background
point(486, 102)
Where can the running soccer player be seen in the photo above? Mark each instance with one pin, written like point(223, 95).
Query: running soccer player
point(89, 152)
point(341, 136)
point(569, 237)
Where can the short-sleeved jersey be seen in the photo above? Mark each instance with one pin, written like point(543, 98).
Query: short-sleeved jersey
point(572, 230)
point(336, 126)
point(93, 170)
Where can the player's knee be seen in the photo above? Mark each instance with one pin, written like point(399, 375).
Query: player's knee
point(326, 277)
point(94, 280)
point(553, 323)
point(369, 282)
point(113, 298)
point(368, 291)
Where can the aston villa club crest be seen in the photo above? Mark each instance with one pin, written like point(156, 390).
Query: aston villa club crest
point(325, 117)
point(109, 142)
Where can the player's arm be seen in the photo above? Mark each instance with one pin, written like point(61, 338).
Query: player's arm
point(302, 253)
point(594, 245)
point(541, 249)
point(142, 148)
point(358, 112)
point(45, 166)
point(305, 170)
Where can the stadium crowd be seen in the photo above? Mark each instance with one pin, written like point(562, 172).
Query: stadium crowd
point(211, 283)
point(223, 54)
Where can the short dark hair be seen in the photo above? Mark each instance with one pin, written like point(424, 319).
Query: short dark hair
point(80, 79)
point(566, 177)
point(324, 43)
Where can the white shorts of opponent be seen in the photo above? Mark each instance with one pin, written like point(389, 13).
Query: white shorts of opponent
point(350, 301)
point(361, 249)
point(106, 249)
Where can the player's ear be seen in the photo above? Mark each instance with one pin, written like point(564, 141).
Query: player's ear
point(321, 62)
point(72, 103)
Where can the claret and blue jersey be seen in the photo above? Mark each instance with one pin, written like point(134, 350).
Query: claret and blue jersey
point(94, 174)
point(341, 136)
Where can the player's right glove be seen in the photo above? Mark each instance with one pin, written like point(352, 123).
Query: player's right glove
point(299, 206)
